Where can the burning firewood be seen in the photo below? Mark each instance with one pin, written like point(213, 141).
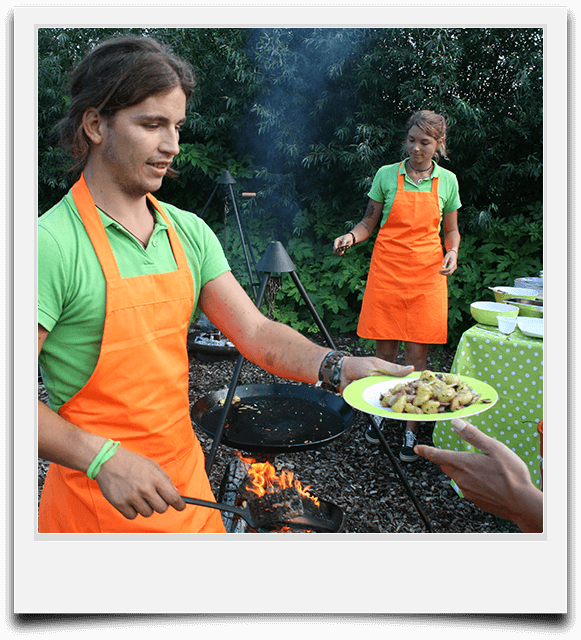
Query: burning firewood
point(277, 506)
point(280, 495)
point(235, 475)
point(271, 494)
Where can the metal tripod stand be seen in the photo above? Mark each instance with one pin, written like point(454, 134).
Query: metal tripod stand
point(274, 260)
point(227, 180)
point(277, 260)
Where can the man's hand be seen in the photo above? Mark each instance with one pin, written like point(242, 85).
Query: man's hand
point(496, 480)
point(356, 368)
point(134, 485)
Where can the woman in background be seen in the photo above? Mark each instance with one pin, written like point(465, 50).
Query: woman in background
point(406, 296)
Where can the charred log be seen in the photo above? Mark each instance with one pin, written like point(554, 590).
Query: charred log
point(276, 505)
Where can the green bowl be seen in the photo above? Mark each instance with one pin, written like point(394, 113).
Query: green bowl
point(527, 308)
point(485, 312)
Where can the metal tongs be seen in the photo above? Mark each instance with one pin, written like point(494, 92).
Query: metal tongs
point(295, 522)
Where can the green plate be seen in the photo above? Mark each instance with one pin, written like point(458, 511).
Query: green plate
point(363, 394)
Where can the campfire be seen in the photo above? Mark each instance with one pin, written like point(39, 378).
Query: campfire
point(276, 495)
point(262, 479)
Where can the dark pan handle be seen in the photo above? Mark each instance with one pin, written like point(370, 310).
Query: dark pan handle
point(216, 505)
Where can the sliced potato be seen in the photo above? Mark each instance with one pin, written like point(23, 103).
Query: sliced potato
point(410, 408)
point(399, 405)
point(423, 394)
point(431, 406)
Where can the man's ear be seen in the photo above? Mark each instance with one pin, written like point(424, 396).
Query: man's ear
point(93, 123)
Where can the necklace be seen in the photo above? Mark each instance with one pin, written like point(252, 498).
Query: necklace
point(143, 244)
point(418, 170)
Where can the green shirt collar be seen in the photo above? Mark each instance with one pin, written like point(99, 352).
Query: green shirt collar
point(435, 173)
point(160, 223)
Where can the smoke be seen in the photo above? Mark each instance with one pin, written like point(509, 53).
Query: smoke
point(296, 67)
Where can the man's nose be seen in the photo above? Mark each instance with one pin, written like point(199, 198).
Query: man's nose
point(171, 143)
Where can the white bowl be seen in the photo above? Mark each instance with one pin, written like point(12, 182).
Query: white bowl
point(532, 327)
point(506, 324)
point(529, 283)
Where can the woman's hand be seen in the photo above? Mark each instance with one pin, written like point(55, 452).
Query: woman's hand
point(450, 263)
point(451, 239)
point(342, 243)
point(362, 230)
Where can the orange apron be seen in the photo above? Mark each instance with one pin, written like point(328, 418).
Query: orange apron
point(406, 298)
point(137, 394)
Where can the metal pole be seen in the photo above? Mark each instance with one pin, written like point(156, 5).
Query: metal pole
point(230, 395)
point(209, 200)
point(399, 471)
point(242, 239)
point(312, 309)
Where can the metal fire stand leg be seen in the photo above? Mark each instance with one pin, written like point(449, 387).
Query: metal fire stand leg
point(375, 423)
point(227, 179)
point(302, 291)
point(230, 395)
point(275, 260)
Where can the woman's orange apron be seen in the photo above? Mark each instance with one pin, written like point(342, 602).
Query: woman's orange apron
point(137, 394)
point(406, 298)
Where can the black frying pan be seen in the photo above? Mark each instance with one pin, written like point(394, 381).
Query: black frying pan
point(275, 418)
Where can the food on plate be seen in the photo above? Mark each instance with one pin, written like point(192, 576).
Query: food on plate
point(430, 393)
point(399, 403)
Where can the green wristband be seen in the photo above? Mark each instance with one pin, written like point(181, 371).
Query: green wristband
point(107, 451)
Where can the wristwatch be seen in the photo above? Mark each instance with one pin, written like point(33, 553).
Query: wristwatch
point(330, 370)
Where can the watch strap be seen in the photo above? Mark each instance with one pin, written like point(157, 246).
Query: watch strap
point(330, 370)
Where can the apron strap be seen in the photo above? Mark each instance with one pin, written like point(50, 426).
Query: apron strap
point(95, 228)
point(176, 245)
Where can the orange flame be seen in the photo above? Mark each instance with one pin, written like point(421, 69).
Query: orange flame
point(264, 479)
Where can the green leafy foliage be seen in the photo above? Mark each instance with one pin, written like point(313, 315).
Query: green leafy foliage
point(511, 248)
point(305, 117)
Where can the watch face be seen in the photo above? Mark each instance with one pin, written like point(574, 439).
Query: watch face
point(336, 376)
point(330, 373)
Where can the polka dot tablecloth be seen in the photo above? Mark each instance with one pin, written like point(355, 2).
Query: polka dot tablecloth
point(513, 365)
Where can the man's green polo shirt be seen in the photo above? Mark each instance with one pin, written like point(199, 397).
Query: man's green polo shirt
point(72, 291)
point(384, 187)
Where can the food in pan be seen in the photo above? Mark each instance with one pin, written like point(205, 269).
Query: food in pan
point(430, 393)
point(235, 401)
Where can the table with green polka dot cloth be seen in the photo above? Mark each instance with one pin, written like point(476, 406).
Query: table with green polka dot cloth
point(513, 365)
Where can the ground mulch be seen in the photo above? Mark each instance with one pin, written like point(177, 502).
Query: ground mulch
point(350, 472)
point(354, 474)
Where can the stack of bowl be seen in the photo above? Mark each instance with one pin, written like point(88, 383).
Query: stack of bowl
point(502, 293)
point(523, 298)
point(533, 284)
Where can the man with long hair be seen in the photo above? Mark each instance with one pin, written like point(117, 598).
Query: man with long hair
point(120, 277)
